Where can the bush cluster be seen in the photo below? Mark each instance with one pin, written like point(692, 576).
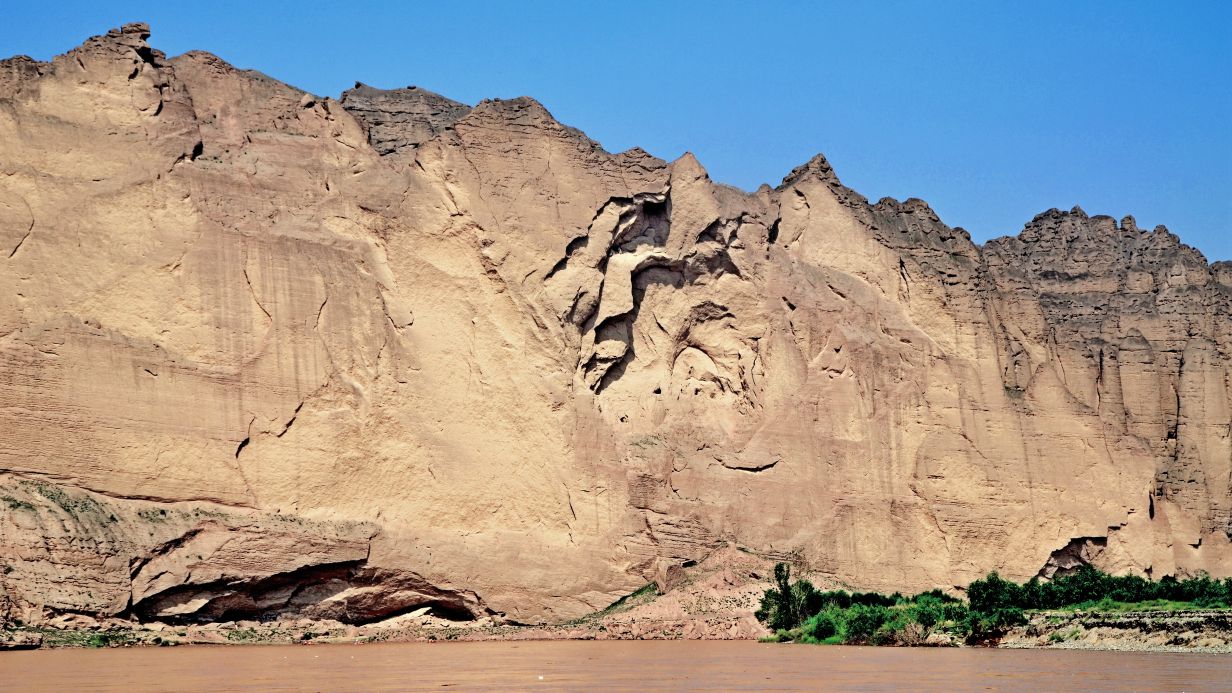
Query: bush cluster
point(909, 621)
point(1088, 586)
point(798, 611)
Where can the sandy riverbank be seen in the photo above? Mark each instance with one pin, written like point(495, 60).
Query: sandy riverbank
point(713, 600)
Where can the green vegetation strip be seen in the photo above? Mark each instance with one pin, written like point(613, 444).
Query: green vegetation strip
point(798, 612)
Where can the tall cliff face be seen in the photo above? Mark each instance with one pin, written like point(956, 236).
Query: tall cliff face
point(263, 352)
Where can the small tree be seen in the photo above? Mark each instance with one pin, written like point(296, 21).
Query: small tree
point(785, 606)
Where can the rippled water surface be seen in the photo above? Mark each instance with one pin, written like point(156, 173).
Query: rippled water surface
point(622, 666)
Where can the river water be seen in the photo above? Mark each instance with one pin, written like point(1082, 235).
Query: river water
point(609, 665)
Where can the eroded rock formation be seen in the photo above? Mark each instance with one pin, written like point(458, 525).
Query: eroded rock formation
point(263, 352)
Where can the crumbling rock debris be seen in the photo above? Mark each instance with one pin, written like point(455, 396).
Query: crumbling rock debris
point(528, 376)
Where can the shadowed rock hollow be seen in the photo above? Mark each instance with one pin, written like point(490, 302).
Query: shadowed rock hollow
point(263, 352)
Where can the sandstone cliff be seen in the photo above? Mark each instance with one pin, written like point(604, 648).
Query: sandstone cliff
point(264, 352)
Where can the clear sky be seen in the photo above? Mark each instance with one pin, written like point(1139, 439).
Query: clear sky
point(990, 111)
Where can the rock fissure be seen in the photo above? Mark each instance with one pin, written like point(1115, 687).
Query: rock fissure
point(22, 240)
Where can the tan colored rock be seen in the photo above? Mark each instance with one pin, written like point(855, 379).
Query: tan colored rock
point(267, 353)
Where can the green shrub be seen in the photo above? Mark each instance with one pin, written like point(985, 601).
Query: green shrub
point(835, 598)
point(956, 612)
point(797, 611)
point(828, 624)
point(927, 611)
point(1093, 588)
point(982, 626)
point(993, 593)
point(243, 635)
point(936, 595)
point(863, 622)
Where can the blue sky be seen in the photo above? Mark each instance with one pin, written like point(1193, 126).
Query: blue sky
point(990, 111)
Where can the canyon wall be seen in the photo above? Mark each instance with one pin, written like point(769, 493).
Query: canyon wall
point(263, 352)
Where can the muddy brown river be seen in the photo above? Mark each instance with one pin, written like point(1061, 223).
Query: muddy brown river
point(619, 666)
